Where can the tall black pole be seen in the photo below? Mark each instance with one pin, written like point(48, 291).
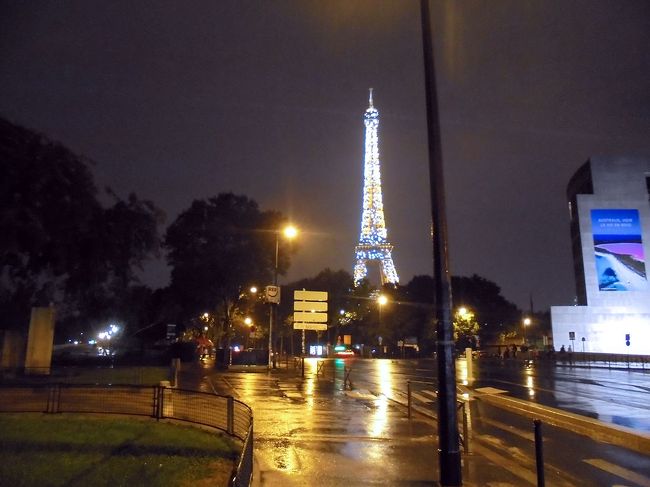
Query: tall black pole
point(448, 441)
point(272, 309)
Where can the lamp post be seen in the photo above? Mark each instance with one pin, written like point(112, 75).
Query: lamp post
point(381, 301)
point(526, 322)
point(448, 443)
point(289, 233)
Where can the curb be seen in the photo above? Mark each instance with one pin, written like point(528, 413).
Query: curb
point(589, 427)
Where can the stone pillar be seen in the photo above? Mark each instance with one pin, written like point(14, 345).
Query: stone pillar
point(40, 341)
point(13, 350)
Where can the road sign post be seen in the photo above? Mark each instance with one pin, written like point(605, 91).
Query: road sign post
point(309, 312)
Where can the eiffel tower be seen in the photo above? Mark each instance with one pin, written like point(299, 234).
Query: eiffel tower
point(373, 242)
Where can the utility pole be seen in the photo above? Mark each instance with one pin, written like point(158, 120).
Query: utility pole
point(448, 441)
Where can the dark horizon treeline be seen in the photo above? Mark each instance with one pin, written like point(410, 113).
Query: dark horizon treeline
point(61, 245)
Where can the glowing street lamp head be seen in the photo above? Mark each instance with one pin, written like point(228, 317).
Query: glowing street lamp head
point(253, 290)
point(248, 321)
point(382, 300)
point(527, 321)
point(462, 311)
point(206, 316)
point(290, 231)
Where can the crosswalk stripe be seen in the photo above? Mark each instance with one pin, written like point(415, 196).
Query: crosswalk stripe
point(619, 471)
point(509, 428)
point(420, 397)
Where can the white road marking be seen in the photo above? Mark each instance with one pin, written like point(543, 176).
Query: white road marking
point(490, 390)
point(619, 471)
point(421, 398)
point(510, 429)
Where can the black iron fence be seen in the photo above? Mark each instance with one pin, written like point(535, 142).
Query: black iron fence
point(220, 412)
point(573, 358)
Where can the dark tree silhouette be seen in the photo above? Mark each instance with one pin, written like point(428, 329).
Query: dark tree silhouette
point(217, 249)
point(58, 245)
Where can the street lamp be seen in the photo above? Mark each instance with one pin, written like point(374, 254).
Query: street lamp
point(289, 232)
point(249, 323)
point(526, 323)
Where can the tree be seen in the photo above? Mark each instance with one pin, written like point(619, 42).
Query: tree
point(58, 245)
point(494, 313)
point(219, 247)
point(413, 315)
point(465, 328)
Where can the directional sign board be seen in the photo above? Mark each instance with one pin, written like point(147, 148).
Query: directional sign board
point(310, 306)
point(310, 326)
point(310, 310)
point(310, 295)
point(310, 317)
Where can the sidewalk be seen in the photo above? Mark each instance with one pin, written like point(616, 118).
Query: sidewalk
point(408, 451)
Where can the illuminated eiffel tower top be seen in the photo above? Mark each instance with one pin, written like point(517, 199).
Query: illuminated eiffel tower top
point(373, 241)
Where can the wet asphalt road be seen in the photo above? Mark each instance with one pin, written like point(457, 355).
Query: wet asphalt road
point(313, 431)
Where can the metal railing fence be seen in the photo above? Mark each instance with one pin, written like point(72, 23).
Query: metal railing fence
point(243, 474)
point(575, 358)
point(202, 408)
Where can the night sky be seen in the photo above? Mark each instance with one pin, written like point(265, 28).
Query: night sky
point(179, 100)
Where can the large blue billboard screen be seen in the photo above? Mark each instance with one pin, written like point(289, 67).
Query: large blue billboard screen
point(618, 247)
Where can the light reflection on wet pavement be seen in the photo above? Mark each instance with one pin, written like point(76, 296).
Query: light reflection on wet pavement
point(312, 432)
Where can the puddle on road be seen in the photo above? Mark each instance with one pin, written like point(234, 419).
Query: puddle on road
point(284, 456)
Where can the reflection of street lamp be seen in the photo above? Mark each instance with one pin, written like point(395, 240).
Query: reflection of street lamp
point(526, 323)
point(289, 233)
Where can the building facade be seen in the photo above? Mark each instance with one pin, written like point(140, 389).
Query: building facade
point(610, 233)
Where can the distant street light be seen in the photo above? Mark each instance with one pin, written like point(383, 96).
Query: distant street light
point(289, 233)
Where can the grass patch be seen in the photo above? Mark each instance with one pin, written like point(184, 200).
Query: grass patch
point(118, 375)
point(145, 376)
point(53, 450)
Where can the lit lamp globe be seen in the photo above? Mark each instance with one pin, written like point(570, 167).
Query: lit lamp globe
point(290, 231)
